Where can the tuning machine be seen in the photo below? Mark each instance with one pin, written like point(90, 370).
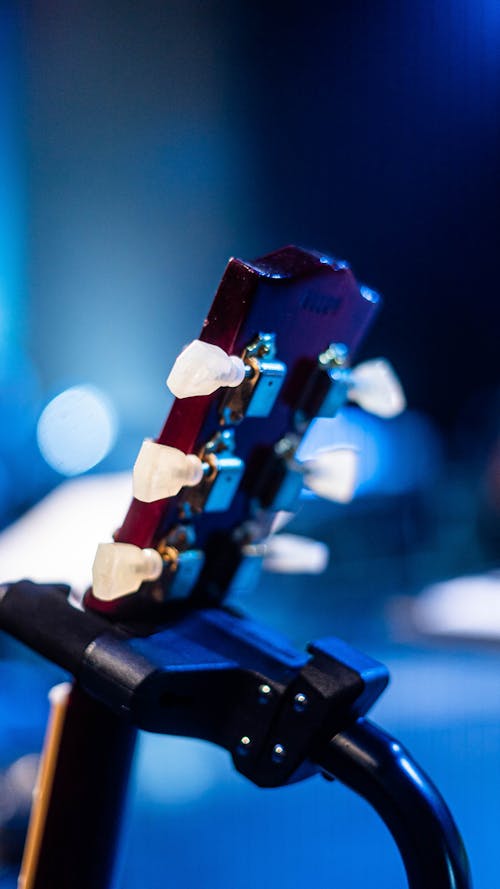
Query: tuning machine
point(278, 554)
point(330, 474)
point(264, 377)
point(173, 568)
point(222, 471)
point(294, 554)
point(373, 385)
point(120, 568)
point(161, 471)
point(202, 368)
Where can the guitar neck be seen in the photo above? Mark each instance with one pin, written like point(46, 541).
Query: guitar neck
point(80, 794)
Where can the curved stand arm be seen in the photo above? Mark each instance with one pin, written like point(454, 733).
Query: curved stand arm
point(379, 769)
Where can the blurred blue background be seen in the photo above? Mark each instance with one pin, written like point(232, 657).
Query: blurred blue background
point(140, 146)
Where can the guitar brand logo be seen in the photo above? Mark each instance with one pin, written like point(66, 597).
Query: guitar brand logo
point(320, 303)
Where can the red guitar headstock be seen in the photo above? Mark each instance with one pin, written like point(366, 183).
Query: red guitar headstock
point(288, 325)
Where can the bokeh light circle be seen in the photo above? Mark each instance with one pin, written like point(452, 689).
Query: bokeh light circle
point(76, 430)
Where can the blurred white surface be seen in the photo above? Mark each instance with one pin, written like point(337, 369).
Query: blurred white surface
point(465, 606)
point(58, 538)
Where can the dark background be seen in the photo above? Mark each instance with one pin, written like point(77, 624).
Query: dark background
point(163, 137)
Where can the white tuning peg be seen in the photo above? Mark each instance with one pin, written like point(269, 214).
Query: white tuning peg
point(201, 368)
point(161, 471)
point(280, 519)
point(292, 554)
point(120, 568)
point(332, 474)
point(375, 387)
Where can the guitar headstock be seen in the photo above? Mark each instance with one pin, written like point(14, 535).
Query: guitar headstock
point(274, 352)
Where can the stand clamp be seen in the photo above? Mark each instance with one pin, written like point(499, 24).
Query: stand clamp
point(283, 715)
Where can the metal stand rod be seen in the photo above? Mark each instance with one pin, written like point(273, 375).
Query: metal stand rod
point(378, 768)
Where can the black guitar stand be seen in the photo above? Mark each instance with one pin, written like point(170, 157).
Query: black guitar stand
point(283, 715)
